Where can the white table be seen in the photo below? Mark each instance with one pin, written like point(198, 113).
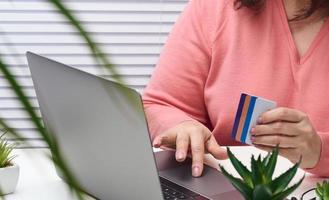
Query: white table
point(38, 179)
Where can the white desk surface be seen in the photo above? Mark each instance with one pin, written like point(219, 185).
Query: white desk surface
point(38, 179)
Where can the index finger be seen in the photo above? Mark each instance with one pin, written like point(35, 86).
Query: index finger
point(197, 149)
point(281, 114)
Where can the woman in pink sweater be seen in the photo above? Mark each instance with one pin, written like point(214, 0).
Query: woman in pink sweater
point(216, 51)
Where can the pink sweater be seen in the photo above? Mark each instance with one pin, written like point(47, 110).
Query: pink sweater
point(215, 52)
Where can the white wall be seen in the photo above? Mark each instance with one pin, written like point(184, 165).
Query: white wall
point(131, 32)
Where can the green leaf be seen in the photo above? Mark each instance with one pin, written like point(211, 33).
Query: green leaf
point(242, 187)
point(325, 186)
point(266, 159)
point(282, 195)
point(319, 193)
point(240, 168)
point(325, 190)
point(257, 171)
point(270, 165)
point(319, 190)
point(322, 190)
point(262, 192)
point(281, 182)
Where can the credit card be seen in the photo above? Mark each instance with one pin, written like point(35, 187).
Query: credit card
point(249, 110)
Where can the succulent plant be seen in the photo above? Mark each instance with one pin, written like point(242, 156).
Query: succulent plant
point(257, 183)
point(5, 151)
point(322, 190)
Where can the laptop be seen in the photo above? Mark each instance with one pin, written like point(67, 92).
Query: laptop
point(104, 138)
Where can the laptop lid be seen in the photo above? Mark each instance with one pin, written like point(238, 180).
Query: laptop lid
point(102, 135)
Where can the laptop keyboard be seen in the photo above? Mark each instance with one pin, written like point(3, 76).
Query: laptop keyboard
point(172, 191)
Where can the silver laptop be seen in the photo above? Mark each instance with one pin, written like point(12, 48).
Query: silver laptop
point(103, 136)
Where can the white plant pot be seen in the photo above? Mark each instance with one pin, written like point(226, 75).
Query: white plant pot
point(8, 179)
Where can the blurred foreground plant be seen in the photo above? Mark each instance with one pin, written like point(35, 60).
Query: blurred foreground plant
point(322, 190)
point(44, 134)
point(257, 183)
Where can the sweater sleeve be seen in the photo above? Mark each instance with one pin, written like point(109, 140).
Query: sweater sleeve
point(175, 92)
point(321, 168)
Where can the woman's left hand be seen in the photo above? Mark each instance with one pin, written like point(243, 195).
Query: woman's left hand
point(293, 131)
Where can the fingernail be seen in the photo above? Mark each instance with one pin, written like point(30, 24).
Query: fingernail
point(252, 139)
point(259, 120)
point(179, 156)
point(252, 130)
point(196, 171)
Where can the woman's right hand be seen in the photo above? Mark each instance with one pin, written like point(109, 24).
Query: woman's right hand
point(194, 137)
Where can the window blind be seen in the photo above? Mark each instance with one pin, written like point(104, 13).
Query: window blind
point(131, 33)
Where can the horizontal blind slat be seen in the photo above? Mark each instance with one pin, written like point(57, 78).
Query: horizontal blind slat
point(10, 103)
point(99, 28)
point(73, 39)
point(129, 81)
point(110, 17)
point(80, 59)
point(16, 114)
point(99, 6)
point(17, 124)
point(142, 49)
point(23, 72)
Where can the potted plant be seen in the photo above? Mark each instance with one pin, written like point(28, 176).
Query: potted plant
point(9, 171)
point(257, 183)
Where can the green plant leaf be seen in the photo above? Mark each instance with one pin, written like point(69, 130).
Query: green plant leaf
point(240, 168)
point(322, 190)
point(319, 190)
point(271, 163)
point(319, 193)
point(282, 195)
point(242, 187)
point(257, 171)
point(266, 159)
point(281, 182)
point(324, 196)
point(262, 192)
point(325, 190)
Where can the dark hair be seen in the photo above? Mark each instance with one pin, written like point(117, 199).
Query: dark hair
point(315, 5)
